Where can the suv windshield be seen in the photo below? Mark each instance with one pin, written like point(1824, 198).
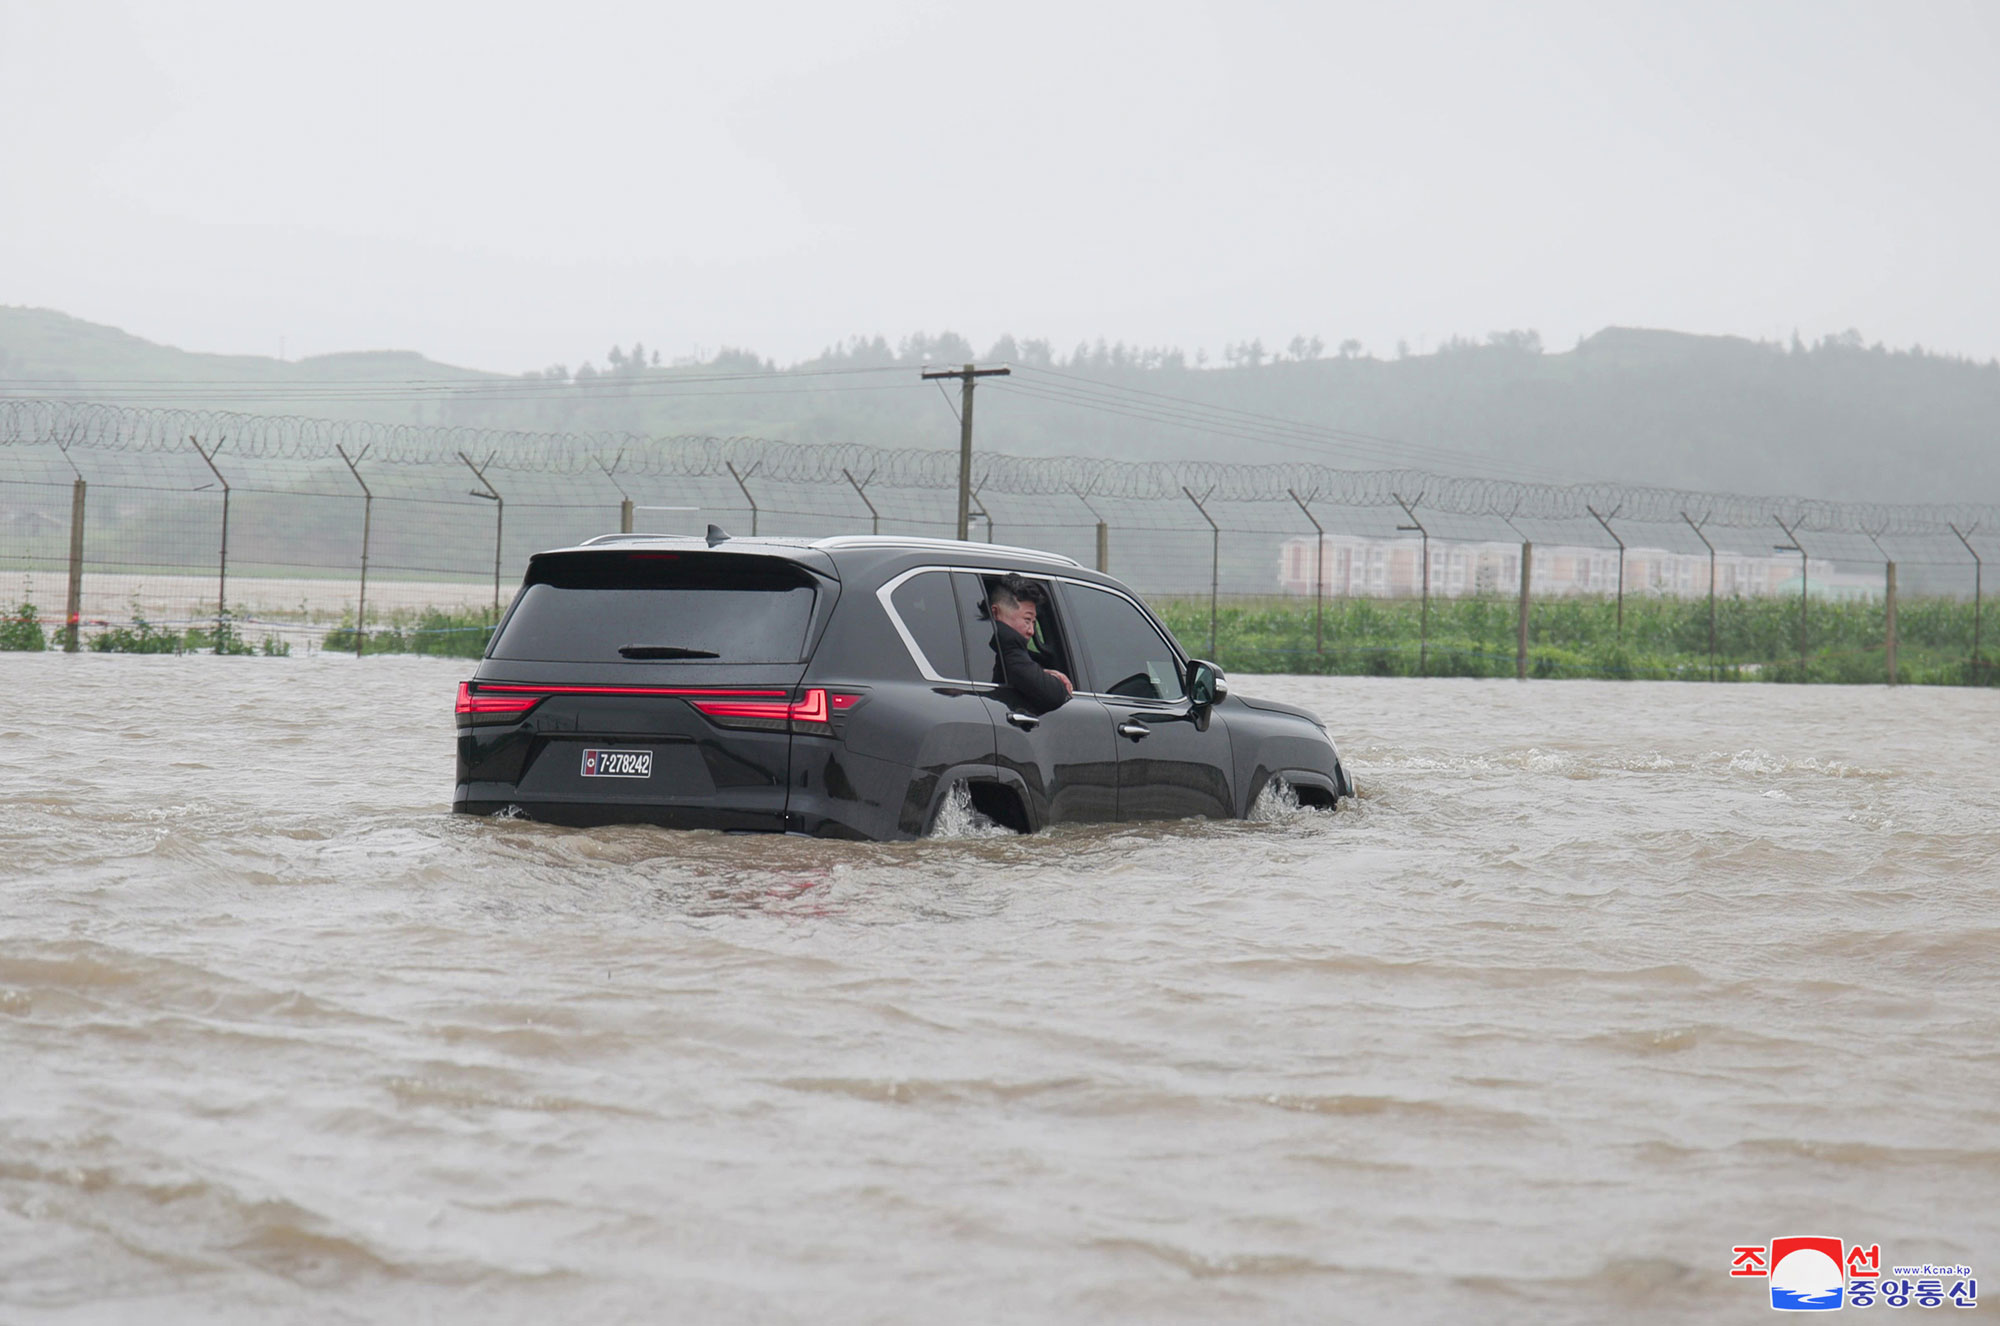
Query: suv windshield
point(647, 606)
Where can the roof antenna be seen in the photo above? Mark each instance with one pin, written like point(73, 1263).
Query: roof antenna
point(717, 534)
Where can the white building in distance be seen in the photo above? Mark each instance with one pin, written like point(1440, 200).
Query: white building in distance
point(1360, 567)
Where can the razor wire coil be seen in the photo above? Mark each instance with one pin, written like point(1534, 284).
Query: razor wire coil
point(96, 427)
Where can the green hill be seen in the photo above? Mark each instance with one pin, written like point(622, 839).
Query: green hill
point(1835, 419)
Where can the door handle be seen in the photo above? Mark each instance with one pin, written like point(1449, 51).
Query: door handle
point(1134, 729)
point(1026, 722)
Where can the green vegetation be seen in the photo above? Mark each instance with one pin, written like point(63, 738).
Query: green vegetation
point(22, 629)
point(141, 637)
point(461, 634)
point(144, 637)
point(1664, 639)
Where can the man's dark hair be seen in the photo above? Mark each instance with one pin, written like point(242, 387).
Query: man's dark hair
point(1014, 588)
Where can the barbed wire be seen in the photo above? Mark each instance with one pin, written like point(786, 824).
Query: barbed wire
point(90, 426)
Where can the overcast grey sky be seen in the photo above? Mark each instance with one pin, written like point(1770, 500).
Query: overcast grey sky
point(508, 185)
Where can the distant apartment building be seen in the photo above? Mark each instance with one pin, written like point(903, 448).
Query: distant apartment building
point(1362, 567)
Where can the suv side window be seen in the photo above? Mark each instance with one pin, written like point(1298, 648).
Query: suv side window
point(1051, 642)
point(975, 627)
point(928, 611)
point(1128, 655)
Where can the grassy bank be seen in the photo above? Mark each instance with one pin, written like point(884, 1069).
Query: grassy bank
point(449, 634)
point(1663, 639)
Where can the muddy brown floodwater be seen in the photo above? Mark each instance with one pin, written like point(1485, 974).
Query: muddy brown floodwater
point(1596, 982)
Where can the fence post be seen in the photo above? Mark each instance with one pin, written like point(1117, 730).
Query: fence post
point(367, 528)
point(1319, 573)
point(1888, 606)
point(746, 491)
point(222, 576)
point(1889, 617)
point(1103, 534)
point(978, 508)
point(1711, 586)
point(1424, 622)
point(492, 495)
point(1805, 581)
point(625, 508)
point(1606, 522)
point(860, 491)
point(1521, 627)
point(1214, 561)
point(1978, 574)
point(73, 614)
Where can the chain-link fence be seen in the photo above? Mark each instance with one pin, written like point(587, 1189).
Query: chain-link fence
point(160, 529)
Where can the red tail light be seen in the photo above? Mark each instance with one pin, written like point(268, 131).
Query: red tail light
point(751, 707)
point(505, 705)
point(813, 714)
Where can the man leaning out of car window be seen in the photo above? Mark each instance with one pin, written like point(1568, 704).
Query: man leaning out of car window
point(1013, 602)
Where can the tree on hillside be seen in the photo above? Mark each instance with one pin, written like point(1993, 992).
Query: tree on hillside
point(944, 348)
point(1527, 342)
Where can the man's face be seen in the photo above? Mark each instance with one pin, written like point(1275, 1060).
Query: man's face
point(1019, 616)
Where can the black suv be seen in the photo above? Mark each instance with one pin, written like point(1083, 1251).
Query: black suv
point(844, 687)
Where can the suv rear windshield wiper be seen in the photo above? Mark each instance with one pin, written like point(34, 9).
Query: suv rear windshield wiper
point(665, 651)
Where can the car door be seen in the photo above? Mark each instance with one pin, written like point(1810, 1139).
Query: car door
point(1065, 758)
point(1172, 762)
point(927, 729)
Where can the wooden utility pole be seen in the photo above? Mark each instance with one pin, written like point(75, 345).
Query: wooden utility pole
point(967, 375)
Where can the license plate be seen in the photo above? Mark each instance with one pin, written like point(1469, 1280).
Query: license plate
point(618, 764)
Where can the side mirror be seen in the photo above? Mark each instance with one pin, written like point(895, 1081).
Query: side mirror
point(1205, 683)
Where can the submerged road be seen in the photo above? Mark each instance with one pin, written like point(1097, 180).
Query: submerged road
point(1597, 981)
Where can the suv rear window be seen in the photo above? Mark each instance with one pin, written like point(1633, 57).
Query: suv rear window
point(653, 607)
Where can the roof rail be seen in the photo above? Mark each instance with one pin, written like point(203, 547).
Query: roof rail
point(633, 538)
point(939, 545)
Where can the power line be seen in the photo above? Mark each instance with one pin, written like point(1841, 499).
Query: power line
point(474, 378)
point(1273, 435)
point(1186, 410)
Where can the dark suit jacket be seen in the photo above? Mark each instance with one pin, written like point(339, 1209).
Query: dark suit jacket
point(1017, 666)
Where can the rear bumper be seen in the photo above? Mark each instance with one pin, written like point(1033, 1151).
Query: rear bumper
point(745, 810)
point(834, 794)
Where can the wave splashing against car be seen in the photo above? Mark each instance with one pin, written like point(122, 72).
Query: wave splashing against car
point(958, 819)
point(1278, 803)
